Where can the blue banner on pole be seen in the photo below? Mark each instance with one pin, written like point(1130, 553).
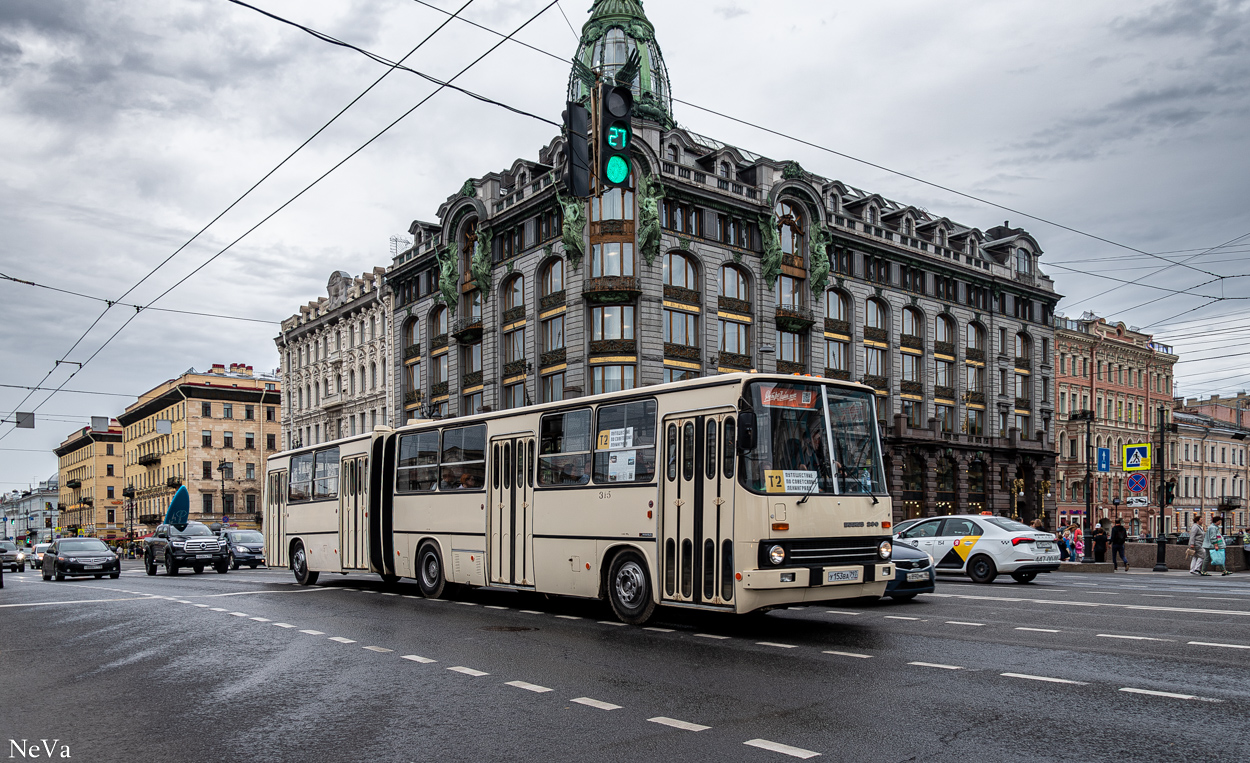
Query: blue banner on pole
point(1104, 459)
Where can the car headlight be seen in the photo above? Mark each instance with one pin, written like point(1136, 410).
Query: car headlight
point(177, 543)
point(20, 556)
point(884, 549)
point(932, 561)
point(240, 550)
point(776, 554)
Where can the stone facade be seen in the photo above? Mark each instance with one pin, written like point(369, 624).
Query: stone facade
point(335, 361)
point(722, 260)
point(1211, 459)
point(184, 431)
point(90, 474)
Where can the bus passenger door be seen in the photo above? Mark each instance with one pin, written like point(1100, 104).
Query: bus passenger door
point(682, 520)
point(353, 532)
point(511, 521)
point(715, 512)
point(275, 520)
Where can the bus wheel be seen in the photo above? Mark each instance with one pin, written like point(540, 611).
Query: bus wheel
point(430, 572)
point(629, 589)
point(299, 564)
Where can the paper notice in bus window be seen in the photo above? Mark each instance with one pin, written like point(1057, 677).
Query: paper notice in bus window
point(786, 481)
point(777, 397)
point(616, 439)
point(622, 466)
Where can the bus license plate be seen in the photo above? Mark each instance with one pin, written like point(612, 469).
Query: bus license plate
point(916, 577)
point(842, 576)
point(203, 556)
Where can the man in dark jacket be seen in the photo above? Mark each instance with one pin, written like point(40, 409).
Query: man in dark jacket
point(1118, 537)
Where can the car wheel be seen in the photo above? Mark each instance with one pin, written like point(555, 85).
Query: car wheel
point(629, 589)
point(222, 568)
point(430, 576)
point(115, 575)
point(60, 576)
point(99, 577)
point(299, 565)
point(149, 565)
point(171, 567)
point(22, 568)
point(234, 563)
point(199, 569)
point(46, 575)
point(253, 566)
point(981, 569)
point(1023, 577)
point(903, 596)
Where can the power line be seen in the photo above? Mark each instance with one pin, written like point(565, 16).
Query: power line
point(137, 308)
point(233, 204)
point(74, 391)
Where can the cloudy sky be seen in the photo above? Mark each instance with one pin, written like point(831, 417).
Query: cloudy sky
point(127, 125)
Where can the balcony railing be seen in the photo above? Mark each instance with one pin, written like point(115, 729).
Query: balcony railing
point(793, 318)
point(614, 347)
point(468, 330)
point(944, 348)
point(734, 360)
point(877, 382)
point(973, 353)
point(790, 367)
point(553, 358)
point(148, 459)
point(552, 301)
point(412, 351)
point(835, 326)
point(911, 342)
point(836, 373)
point(681, 294)
point(876, 334)
point(731, 305)
point(1230, 502)
point(681, 352)
point(1024, 404)
point(612, 289)
point(332, 401)
point(1024, 363)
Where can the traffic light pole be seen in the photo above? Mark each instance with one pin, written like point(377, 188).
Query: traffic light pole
point(1161, 557)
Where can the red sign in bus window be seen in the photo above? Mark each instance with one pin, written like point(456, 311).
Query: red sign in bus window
point(779, 397)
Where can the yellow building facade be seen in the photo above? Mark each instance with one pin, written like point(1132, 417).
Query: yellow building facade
point(90, 471)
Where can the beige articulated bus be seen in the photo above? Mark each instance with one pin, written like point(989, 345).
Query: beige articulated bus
point(731, 493)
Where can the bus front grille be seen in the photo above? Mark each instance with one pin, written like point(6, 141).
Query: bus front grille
point(824, 552)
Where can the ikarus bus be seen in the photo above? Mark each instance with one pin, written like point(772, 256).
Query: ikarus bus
point(731, 493)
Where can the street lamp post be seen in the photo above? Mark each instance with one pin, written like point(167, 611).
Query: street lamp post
point(1043, 493)
point(1017, 492)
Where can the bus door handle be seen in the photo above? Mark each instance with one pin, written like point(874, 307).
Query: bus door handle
point(719, 502)
point(679, 503)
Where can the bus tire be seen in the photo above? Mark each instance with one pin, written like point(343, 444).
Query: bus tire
point(299, 565)
point(629, 589)
point(430, 577)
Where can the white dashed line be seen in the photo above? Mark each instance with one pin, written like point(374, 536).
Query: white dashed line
point(935, 665)
point(1038, 630)
point(1169, 695)
point(610, 622)
point(773, 643)
point(238, 614)
point(180, 601)
point(406, 596)
point(957, 622)
point(378, 649)
point(531, 612)
point(900, 617)
point(493, 606)
point(468, 671)
point(711, 635)
point(683, 725)
point(415, 658)
point(386, 593)
point(568, 617)
point(283, 625)
point(1219, 598)
point(342, 640)
point(784, 749)
point(313, 633)
point(587, 701)
point(529, 687)
point(261, 619)
point(1132, 638)
point(364, 590)
point(1159, 595)
point(216, 609)
point(841, 612)
point(1027, 677)
point(659, 630)
point(202, 606)
point(851, 654)
point(1226, 646)
point(468, 603)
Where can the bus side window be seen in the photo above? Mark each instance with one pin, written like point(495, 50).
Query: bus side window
point(529, 464)
point(687, 447)
point(710, 470)
point(672, 452)
point(729, 448)
point(564, 458)
point(494, 468)
point(418, 462)
point(507, 465)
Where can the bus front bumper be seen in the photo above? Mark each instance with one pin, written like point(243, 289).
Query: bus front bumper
point(817, 577)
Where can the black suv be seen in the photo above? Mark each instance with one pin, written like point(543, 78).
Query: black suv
point(191, 545)
point(246, 547)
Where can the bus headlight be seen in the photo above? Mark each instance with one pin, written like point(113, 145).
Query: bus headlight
point(884, 549)
point(776, 554)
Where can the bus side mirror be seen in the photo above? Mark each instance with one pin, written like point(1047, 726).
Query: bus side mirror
point(746, 432)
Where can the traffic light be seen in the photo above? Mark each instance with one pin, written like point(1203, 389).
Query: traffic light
point(577, 170)
point(47, 522)
point(616, 135)
point(1169, 492)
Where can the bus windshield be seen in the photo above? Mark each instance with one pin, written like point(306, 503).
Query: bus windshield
point(798, 426)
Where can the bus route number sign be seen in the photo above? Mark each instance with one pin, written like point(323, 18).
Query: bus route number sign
point(787, 481)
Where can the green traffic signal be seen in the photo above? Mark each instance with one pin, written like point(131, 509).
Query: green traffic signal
point(618, 170)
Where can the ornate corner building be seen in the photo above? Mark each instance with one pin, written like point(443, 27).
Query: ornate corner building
point(90, 473)
point(720, 260)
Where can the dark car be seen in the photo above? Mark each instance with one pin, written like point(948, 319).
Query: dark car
point(12, 557)
point(191, 545)
point(246, 547)
point(78, 557)
point(913, 573)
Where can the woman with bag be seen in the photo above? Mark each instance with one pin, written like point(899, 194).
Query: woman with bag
point(1213, 545)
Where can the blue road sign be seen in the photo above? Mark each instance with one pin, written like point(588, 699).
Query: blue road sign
point(1137, 483)
point(1104, 459)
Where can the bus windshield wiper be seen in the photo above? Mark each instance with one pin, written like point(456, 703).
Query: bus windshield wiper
point(810, 490)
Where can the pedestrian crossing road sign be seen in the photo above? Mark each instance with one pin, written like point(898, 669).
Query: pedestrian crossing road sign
point(1137, 458)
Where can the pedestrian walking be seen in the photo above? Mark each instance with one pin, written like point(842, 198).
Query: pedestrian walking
point(1213, 545)
point(1119, 536)
point(1078, 543)
point(1100, 544)
point(1195, 552)
point(1065, 545)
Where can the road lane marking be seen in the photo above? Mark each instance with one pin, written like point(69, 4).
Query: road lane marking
point(1140, 607)
point(531, 612)
point(1132, 638)
point(1039, 630)
point(260, 619)
point(900, 617)
point(314, 633)
point(567, 617)
point(216, 609)
point(365, 590)
point(493, 606)
point(415, 658)
point(468, 671)
point(468, 603)
point(81, 601)
point(610, 622)
point(180, 601)
point(1220, 598)
point(710, 635)
point(283, 625)
point(202, 606)
point(588, 702)
point(378, 649)
point(1169, 695)
point(1047, 679)
point(529, 686)
point(841, 612)
point(774, 643)
point(659, 630)
point(683, 725)
point(342, 640)
point(784, 749)
point(957, 622)
point(238, 614)
point(1226, 646)
point(1159, 595)
point(936, 665)
point(408, 596)
point(850, 654)
point(387, 593)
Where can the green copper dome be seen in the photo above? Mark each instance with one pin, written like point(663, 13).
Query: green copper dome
point(616, 29)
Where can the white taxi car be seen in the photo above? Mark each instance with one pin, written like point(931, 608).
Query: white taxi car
point(981, 546)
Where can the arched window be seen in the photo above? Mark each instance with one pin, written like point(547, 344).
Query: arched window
point(872, 215)
point(679, 271)
point(373, 376)
point(913, 322)
point(672, 152)
point(733, 284)
point(976, 337)
point(944, 330)
point(410, 333)
point(908, 227)
point(438, 321)
point(351, 383)
point(835, 204)
point(724, 169)
point(514, 293)
point(838, 307)
point(790, 226)
point(1024, 261)
point(875, 315)
point(970, 246)
point(941, 237)
point(1023, 346)
point(553, 278)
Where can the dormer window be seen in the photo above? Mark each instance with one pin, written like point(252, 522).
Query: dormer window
point(908, 228)
point(1024, 261)
point(941, 237)
point(872, 215)
point(724, 169)
point(834, 203)
point(672, 153)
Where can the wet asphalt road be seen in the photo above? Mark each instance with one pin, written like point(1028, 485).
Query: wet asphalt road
point(249, 666)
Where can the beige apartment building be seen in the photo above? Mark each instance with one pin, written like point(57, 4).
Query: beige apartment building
point(89, 470)
point(1211, 443)
point(209, 430)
